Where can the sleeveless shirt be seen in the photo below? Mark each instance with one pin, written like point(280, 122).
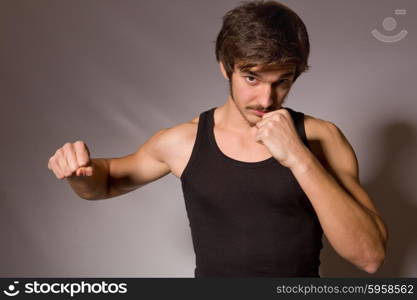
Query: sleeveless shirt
point(248, 219)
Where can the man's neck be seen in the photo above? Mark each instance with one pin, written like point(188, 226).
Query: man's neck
point(229, 118)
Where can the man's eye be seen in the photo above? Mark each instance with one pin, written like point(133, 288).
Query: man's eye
point(284, 81)
point(250, 79)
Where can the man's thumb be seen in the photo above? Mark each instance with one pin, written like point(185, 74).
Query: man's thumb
point(85, 171)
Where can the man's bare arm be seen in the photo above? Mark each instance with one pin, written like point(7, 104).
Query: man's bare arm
point(347, 214)
point(103, 178)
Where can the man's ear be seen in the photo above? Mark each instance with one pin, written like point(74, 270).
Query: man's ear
point(223, 71)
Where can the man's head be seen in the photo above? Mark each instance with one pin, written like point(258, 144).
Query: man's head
point(262, 33)
point(262, 48)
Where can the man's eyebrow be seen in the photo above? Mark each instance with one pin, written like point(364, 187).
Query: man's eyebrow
point(255, 74)
point(287, 74)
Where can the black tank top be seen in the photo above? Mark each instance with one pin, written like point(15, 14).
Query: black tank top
point(248, 219)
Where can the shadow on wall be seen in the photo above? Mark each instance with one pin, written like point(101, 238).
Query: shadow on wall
point(395, 196)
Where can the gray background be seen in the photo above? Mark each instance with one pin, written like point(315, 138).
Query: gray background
point(112, 73)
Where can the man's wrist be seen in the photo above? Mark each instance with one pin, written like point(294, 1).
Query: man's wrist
point(303, 162)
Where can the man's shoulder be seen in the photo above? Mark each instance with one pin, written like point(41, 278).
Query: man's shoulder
point(181, 131)
point(319, 129)
point(175, 140)
point(326, 140)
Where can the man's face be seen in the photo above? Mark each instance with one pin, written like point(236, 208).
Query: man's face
point(259, 90)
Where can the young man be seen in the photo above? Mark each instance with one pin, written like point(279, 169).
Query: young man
point(261, 182)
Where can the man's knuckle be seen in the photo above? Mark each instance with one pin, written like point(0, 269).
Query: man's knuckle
point(59, 152)
point(79, 143)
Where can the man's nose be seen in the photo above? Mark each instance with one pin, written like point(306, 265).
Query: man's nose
point(266, 98)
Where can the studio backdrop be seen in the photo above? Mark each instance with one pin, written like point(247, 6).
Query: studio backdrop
point(112, 73)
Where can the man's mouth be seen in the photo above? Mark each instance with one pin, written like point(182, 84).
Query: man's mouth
point(259, 113)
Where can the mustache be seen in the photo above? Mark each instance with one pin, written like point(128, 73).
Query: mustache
point(263, 109)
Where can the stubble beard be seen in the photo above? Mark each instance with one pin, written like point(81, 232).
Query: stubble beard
point(251, 124)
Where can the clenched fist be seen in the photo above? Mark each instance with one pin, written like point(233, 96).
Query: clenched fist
point(72, 159)
point(277, 132)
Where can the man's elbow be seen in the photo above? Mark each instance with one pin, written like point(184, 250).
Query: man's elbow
point(92, 197)
point(372, 268)
point(375, 263)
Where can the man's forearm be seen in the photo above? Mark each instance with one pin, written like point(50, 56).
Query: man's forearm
point(351, 229)
point(93, 187)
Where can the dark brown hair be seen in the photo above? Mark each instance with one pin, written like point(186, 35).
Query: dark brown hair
point(262, 33)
